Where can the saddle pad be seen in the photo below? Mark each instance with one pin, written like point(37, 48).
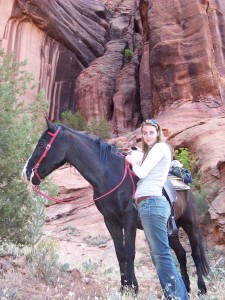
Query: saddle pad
point(178, 183)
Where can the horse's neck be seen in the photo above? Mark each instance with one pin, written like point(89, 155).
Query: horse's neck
point(84, 155)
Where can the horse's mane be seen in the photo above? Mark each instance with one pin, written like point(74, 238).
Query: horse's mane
point(105, 148)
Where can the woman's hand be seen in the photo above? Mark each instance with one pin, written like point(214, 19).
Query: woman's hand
point(130, 159)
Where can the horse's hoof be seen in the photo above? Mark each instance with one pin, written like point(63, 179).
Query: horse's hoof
point(131, 290)
point(202, 292)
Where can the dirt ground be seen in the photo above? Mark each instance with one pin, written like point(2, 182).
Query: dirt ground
point(86, 252)
point(89, 265)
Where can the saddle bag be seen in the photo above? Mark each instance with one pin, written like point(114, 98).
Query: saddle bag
point(182, 173)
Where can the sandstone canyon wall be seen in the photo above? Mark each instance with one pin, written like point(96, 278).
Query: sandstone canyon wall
point(75, 49)
point(58, 40)
point(178, 60)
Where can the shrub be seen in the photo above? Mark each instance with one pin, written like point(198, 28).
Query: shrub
point(183, 155)
point(96, 240)
point(74, 121)
point(89, 266)
point(128, 54)
point(101, 128)
point(202, 191)
point(44, 260)
point(201, 199)
point(71, 231)
point(34, 228)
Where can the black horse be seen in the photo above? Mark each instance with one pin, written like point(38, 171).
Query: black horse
point(102, 166)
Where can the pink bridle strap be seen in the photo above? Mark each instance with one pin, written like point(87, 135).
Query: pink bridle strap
point(54, 135)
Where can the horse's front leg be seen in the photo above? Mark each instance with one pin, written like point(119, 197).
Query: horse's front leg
point(116, 232)
point(129, 242)
point(121, 245)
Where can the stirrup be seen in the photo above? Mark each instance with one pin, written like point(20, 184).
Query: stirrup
point(172, 227)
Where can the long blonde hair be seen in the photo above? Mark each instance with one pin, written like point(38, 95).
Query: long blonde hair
point(160, 137)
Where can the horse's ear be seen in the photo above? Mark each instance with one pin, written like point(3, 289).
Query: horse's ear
point(50, 125)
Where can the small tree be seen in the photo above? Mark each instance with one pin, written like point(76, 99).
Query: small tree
point(19, 126)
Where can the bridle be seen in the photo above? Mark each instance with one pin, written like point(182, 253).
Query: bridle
point(35, 172)
point(54, 135)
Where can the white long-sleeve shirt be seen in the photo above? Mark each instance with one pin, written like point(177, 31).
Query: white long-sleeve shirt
point(153, 171)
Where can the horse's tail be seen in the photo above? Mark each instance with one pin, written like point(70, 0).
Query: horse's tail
point(204, 261)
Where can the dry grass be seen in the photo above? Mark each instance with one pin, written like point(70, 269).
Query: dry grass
point(89, 279)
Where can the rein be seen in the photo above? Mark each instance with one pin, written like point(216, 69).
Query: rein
point(65, 201)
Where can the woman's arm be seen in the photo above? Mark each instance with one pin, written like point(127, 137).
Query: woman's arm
point(153, 157)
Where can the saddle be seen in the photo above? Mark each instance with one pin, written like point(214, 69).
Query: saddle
point(171, 195)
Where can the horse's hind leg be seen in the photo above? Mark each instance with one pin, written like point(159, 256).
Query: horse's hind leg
point(198, 256)
point(181, 256)
point(190, 224)
point(124, 248)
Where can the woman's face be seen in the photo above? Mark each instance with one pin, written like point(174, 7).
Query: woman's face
point(149, 134)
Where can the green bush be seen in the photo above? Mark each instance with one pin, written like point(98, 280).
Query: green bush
point(183, 155)
point(96, 240)
point(202, 192)
point(201, 199)
point(74, 121)
point(101, 128)
point(45, 260)
point(89, 266)
point(128, 54)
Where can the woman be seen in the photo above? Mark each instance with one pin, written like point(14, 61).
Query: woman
point(154, 209)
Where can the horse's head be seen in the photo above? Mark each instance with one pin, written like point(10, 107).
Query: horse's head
point(48, 155)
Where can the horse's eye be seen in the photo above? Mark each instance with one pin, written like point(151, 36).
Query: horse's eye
point(41, 144)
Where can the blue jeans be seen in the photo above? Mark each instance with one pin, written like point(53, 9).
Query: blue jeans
point(154, 213)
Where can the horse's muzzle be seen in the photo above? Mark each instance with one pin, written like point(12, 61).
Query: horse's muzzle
point(25, 177)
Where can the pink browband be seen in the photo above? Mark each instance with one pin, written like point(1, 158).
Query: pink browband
point(54, 135)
